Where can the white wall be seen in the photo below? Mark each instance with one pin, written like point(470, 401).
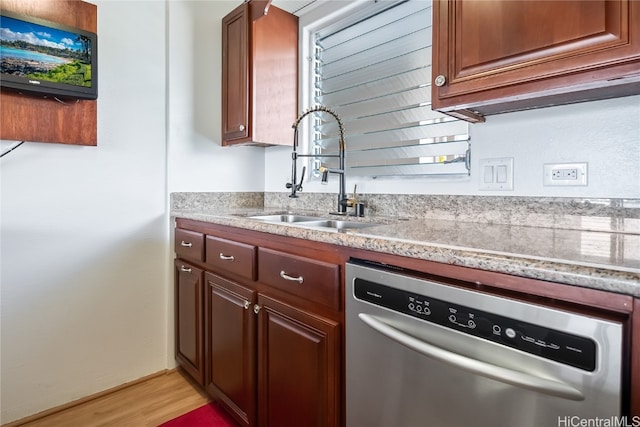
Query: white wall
point(85, 234)
point(87, 290)
point(197, 161)
point(606, 134)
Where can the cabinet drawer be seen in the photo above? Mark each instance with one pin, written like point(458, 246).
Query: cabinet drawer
point(314, 280)
point(232, 257)
point(189, 244)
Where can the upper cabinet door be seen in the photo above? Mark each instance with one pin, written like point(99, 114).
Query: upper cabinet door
point(494, 56)
point(259, 75)
point(235, 75)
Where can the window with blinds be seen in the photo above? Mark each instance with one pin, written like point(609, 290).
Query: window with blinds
point(373, 68)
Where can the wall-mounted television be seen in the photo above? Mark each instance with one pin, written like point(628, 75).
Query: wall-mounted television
point(43, 58)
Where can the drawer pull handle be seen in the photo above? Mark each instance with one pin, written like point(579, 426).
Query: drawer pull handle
point(184, 269)
point(256, 308)
point(285, 276)
point(247, 304)
point(226, 257)
point(185, 244)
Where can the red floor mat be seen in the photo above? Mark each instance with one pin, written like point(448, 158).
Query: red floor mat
point(209, 415)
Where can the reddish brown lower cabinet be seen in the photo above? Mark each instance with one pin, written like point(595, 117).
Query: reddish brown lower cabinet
point(289, 373)
point(298, 367)
point(189, 320)
point(259, 324)
point(260, 318)
point(230, 346)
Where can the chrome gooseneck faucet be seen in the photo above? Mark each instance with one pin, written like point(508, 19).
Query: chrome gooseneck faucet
point(296, 187)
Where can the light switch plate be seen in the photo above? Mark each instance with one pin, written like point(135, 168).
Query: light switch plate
point(496, 174)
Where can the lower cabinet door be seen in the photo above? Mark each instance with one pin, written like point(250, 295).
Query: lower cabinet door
point(189, 320)
point(298, 367)
point(230, 347)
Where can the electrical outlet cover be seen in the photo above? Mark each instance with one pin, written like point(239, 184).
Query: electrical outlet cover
point(565, 174)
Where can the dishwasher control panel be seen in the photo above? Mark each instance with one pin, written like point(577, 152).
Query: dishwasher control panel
point(569, 349)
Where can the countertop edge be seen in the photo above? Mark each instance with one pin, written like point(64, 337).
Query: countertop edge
point(552, 270)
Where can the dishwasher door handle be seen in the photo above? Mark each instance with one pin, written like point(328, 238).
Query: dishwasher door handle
point(488, 370)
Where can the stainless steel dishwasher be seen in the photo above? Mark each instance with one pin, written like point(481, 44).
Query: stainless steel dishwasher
point(420, 353)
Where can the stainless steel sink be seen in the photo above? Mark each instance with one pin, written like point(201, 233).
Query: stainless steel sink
point(338, 224)
point(286, 218)
point(312, 221)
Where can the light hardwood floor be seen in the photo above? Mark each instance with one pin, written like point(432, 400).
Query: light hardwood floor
point(145, 404)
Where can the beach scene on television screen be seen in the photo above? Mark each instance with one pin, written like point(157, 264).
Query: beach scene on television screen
point(44, 53)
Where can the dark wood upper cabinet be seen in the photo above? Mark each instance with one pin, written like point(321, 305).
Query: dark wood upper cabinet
point(495, 56)
point(259, 75)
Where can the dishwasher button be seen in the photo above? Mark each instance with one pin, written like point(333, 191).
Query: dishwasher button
point(510, 333)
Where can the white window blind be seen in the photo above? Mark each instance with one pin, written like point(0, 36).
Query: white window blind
point(374, 71)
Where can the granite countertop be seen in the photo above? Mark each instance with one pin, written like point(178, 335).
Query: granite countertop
point(602, 260)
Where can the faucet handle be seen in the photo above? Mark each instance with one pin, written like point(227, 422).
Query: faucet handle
point(296, 187)
point(304, 170)
point(325, 174)
point(352, 201)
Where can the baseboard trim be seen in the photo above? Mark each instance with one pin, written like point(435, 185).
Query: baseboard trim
point(86, 399)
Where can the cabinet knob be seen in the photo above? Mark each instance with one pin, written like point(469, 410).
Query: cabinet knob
point(247, 304)
point(241, 128)
point(440, 80)
point(256, 308)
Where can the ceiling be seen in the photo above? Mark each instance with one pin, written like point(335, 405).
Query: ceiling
point(294, 6)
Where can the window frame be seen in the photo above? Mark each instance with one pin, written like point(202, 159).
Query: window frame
point(322, 16)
